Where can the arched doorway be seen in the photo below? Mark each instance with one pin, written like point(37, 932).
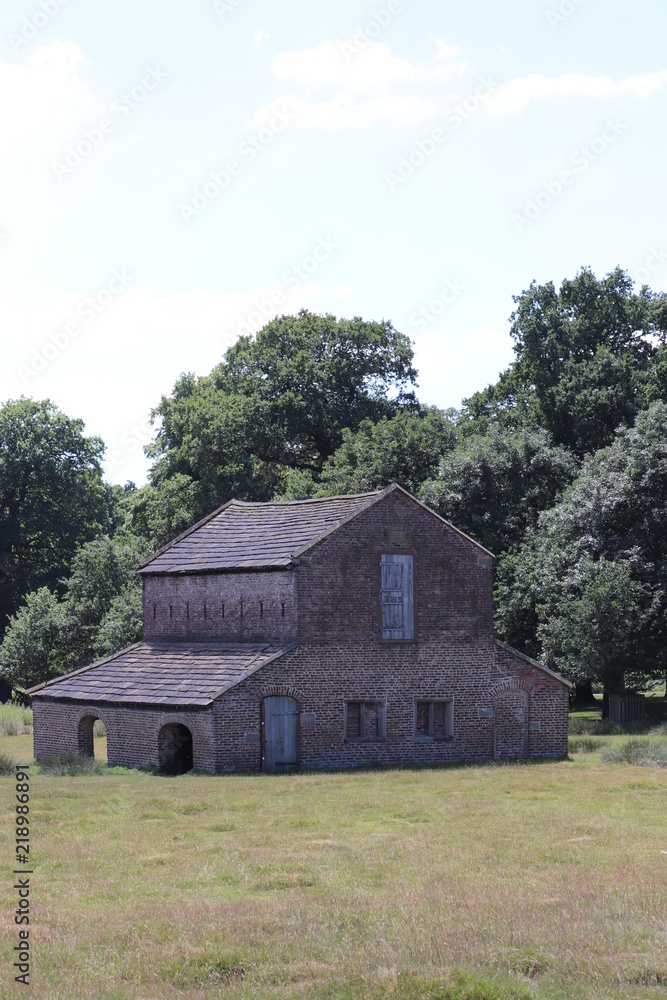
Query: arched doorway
point(280, 718)
point(511, 724)
point(175, 753)
point(92, 737)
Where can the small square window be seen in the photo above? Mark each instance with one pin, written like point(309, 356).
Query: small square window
point(364, 720)
point(434, 720)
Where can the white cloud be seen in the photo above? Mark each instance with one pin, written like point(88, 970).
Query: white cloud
point(259, 38)
point(46, 93)
point(344, 111)
point(375, 67)
point(515, 95)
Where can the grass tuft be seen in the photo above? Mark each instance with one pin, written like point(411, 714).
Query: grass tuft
point(15, 720)
point(207, 970)
point(70, 765)
point(586, 744)
point(637, 753)
point(7, 765)
point(456, 986)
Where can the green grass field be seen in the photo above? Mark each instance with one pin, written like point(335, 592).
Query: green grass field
point(470, 883)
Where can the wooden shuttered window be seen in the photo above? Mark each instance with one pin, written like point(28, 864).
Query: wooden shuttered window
point(434, 720)
point(364, 720)
point(396, 597)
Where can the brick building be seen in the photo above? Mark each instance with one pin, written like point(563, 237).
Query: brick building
point(313, 633)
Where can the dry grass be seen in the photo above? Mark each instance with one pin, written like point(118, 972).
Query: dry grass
point(15, 720)
point(477, 883)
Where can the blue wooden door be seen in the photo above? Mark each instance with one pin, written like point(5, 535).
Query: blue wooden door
point(280, 719)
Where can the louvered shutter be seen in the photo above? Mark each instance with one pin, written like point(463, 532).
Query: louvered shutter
point(396, 597)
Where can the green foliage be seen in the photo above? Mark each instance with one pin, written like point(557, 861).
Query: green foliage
point(586, 361)
point(404, 449)
point(7, 765)
point(52, 498)
point(587, 587)
point(99, 614)
point(277, 402)
point(494, 485)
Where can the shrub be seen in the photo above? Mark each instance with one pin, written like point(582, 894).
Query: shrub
point(70, 764)
point(99, 729)
point(637, 753)
point(7, 765)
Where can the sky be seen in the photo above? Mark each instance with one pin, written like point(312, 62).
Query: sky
point(174, 175)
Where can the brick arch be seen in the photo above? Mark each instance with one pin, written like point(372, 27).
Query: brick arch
point(281, 691)
point(510, 684)
point(84, 733)
point(170, 719)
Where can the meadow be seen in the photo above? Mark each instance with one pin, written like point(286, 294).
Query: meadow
point(540, 880)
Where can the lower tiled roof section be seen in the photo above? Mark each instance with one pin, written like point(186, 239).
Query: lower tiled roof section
point(164, 673)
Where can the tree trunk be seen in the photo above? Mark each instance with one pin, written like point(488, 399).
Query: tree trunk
point(584, 693)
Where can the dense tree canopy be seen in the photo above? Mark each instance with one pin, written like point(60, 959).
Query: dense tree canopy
point(588, 358)
point(494, 485)
point(405, 449)
point(99, 614)
point(279, 402)
point(52, 497)
point(587, 588)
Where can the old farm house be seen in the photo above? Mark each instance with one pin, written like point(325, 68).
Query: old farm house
point(313, 633)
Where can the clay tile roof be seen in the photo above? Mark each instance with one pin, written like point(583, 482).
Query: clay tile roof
point(164, 673)
point(256, 535)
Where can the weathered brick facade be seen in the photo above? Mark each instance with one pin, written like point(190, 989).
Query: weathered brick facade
point(327, 605)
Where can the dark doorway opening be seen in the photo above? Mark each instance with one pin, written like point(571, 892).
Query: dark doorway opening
point(175, 752)
point(92, 737)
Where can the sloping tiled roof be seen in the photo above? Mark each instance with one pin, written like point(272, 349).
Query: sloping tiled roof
point(164, 673)
point(256, 535)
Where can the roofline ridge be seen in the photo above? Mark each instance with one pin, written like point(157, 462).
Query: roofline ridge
point(444, 520)
point(184, 534)
point(286, 503)
point(282, 651)
point(83, 670)
point(534, 663)
point(375, 497)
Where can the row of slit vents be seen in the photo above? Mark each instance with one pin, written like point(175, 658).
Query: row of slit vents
point(207, 607)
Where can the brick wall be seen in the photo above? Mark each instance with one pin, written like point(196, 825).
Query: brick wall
point(132, 733)
point(221, 606)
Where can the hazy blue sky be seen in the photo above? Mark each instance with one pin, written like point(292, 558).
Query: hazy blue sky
point(195, 167)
